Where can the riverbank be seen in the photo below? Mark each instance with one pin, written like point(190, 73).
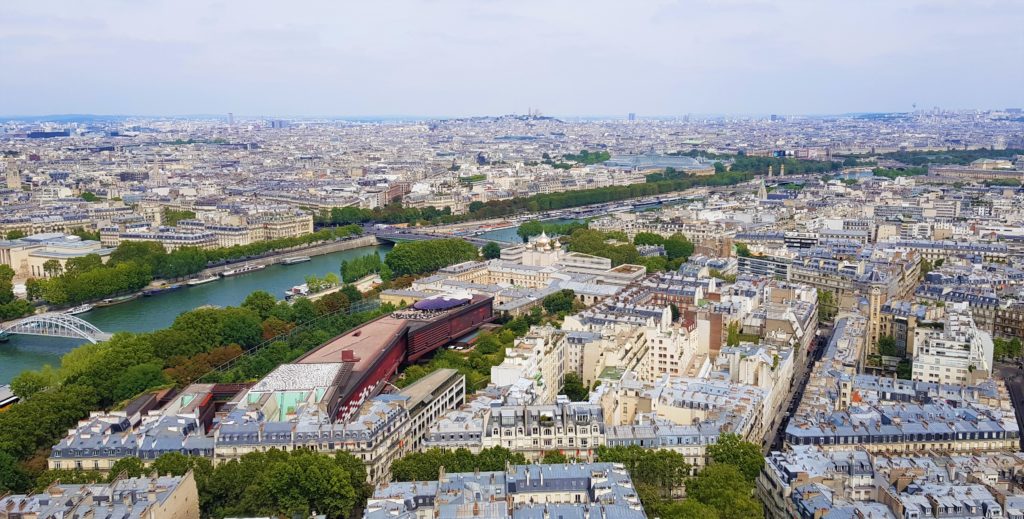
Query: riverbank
point(278, 256)
point(151, 313)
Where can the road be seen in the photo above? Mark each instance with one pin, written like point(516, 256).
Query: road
point(773, 440)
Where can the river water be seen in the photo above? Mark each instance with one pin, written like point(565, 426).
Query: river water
point(152, 313)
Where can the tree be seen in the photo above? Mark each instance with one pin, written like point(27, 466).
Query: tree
point(732, 334)
point(12, 477)
point(89, 196)
point(273, 327)
point(662, 470)
point(331, 303)
point(732, 450)
point(427, 256)
point(827, 308)
point(724, 488)
point(742, 250)
point(572, 387)
point(420, 466)
point(33, 289)
point(648, 238)
point(529, 228)
point(887, 346)
point(131, 467)
point(678, 246)
point(172, 464)
point(52, 268)
point(282, 483)
point(303, 310)
point(560, 302)
point(554, 457)
point(16, 234)
point(260, 302)
point(138, 379)
point(28, 383)
point(351, 292)
point(491, 250)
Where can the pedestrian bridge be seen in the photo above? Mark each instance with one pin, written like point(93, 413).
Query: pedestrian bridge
point(55, 325)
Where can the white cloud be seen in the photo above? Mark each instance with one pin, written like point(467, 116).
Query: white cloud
point(487, 56)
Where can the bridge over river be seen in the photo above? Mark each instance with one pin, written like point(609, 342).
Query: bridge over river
point(54, 324)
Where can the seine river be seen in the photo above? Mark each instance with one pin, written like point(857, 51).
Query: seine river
point(152, 313)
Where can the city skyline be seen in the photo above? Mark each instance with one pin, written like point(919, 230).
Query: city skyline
point(453, 59)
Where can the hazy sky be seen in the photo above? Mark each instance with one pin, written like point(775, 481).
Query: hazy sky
point(480, 57)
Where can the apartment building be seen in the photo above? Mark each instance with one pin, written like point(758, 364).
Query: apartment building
point(953, 350)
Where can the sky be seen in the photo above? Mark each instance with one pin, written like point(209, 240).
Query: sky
point(491, 57)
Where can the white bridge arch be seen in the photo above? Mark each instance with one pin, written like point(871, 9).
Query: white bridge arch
point(55, 325)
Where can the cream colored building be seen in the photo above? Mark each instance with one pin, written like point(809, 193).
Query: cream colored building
point(28, 255)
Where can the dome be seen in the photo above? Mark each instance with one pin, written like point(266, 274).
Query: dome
point(543, 239)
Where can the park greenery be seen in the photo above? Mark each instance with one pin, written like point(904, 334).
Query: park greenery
point(420, 257)
point(171, 217)
point(426, 465)
point(354, 270)
point(135, 264)
point(894, 173)
point(723, 489)
point(615, 245)
point(758, 165)
point(532, 228)
point(89, 197)
point(587, 158)
point(953, 157)
point(491, 250)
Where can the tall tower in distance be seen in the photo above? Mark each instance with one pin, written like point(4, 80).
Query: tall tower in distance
point(231, 119)
point(632, 117)
point(13, 175)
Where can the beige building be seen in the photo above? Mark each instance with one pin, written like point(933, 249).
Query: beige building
point(130, 498)
point(28, 255)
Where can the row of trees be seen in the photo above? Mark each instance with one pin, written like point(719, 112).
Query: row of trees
point(535, 227)
point(356, 269)
point(395, 213)
point(420, 257)
point(134, 264)
point(1006, 348)
point(274, 483)
point(957, 157)
point(425, 466)
point(748, 164)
